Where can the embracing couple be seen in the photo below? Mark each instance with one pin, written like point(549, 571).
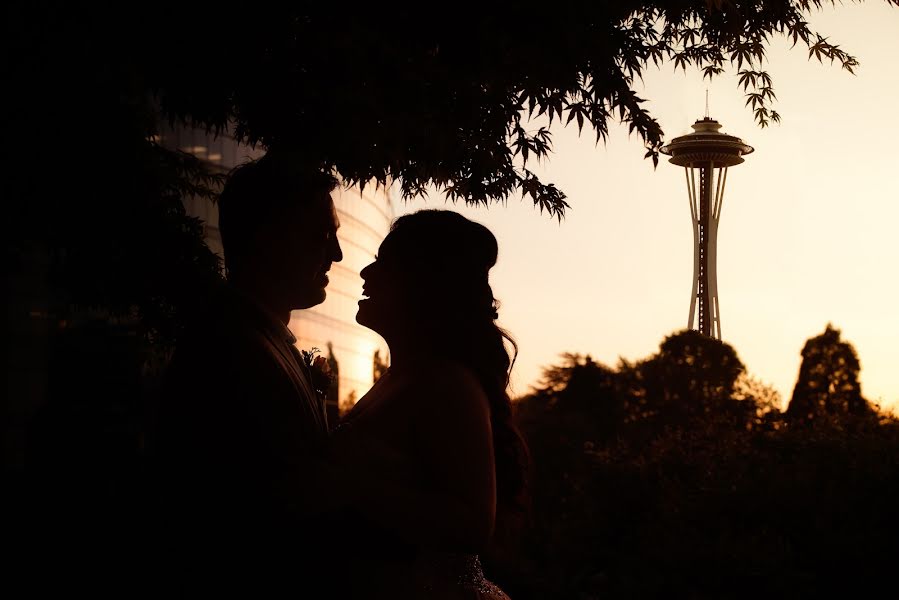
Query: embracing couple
point(260, 494)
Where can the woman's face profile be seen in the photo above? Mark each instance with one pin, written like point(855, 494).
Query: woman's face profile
point(411, 283)
point(385, 289)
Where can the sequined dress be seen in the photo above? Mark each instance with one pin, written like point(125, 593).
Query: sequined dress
point(455, 576)
point(380, 565)
point(438, 576)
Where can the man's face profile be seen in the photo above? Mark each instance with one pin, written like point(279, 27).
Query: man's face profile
point(307, 245)
point(279, 228)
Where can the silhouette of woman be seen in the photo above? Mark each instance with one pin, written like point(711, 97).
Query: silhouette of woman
point(437, 463)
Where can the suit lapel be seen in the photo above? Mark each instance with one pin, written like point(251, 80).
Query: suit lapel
point(291, 356)
point(276, 336)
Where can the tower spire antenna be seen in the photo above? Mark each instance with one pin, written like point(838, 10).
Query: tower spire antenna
point(706, 103)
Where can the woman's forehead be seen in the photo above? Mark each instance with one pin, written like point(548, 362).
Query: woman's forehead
point(391, 242)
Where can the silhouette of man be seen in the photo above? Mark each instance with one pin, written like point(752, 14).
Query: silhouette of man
point(239, 419)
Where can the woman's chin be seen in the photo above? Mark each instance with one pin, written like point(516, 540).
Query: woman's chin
point(365, 316)
point(362, 316)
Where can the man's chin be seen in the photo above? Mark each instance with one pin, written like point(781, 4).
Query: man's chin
point(310, 300)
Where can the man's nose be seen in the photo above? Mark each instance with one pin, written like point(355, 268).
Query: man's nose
point(336, 252)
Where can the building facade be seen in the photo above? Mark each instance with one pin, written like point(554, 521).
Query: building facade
point(355, 352)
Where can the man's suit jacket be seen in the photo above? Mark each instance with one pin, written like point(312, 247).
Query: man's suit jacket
point(237, 421)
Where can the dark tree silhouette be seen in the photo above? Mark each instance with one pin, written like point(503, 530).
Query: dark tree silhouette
point(693, 380)
point(700, 492)
point(387, 94)
point(578, 379)
point(828, 388)
point(423, 100)
point(693, 376)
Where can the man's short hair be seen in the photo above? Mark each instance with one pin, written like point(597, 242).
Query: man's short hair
point(259, 192)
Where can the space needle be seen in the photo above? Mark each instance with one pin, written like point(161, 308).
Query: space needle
point(705, 154)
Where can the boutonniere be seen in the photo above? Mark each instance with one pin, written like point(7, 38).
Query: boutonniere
point(319, 370)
